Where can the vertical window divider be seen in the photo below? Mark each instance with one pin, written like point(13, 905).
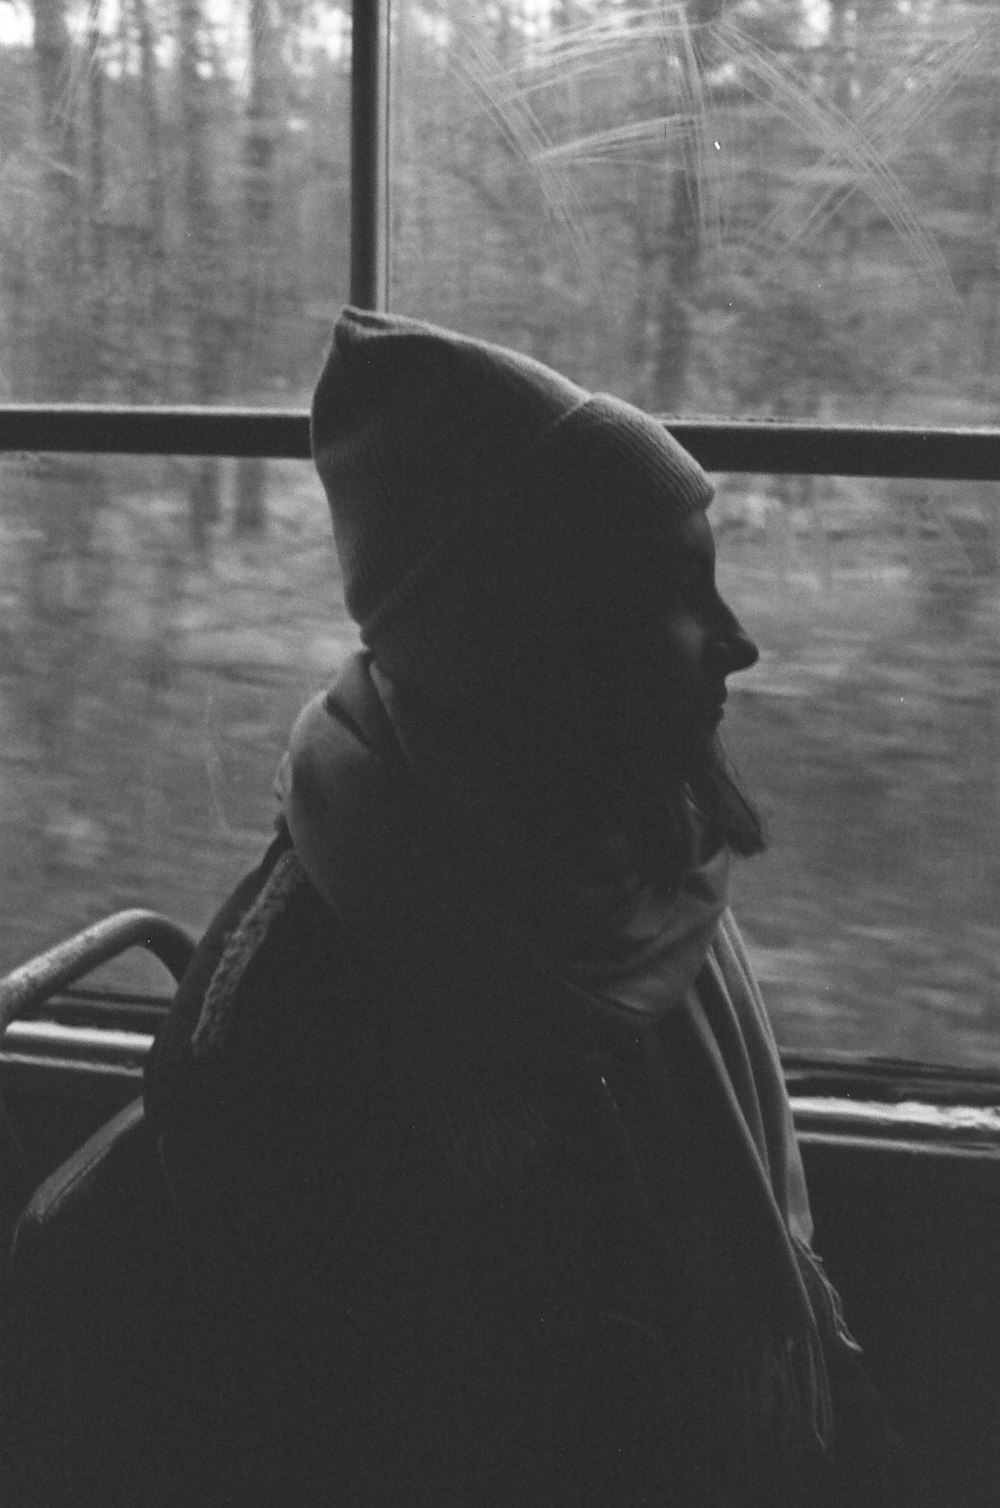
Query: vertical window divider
point(369, 153)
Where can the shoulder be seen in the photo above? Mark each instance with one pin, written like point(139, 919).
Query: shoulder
point(274, 977)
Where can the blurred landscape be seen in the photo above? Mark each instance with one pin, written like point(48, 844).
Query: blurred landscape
point(868, 731)
point(707, 208)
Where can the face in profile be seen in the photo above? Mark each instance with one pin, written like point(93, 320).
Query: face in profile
point(607, 726)
point(687, 642)
point(683, 643)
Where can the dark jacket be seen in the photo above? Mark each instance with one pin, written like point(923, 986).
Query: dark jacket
point(383, 1331)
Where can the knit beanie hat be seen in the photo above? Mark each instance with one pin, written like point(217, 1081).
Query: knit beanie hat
point(479, 499)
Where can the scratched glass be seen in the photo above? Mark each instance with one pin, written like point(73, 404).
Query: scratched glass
point(779, 209)
point(775, 210)
point(784, 209)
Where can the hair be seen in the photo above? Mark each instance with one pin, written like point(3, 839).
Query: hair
point(725, 805)
point(550, 728)
point(705, 807)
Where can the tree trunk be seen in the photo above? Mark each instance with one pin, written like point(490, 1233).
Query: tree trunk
point(58, 340)
point(155, 372)
point(63, 497)
point(98, 239)
point(990, 275)
point(671, 323)
point(206, 323)
point(259, 331)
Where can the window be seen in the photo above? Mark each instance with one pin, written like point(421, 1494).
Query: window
point(870, 732)
point(721, 207)
point(785, 209)
point(176, 200)
point(174, 229)
point(776, 208)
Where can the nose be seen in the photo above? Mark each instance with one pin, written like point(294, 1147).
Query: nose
point(743, 651)
point(735, 649)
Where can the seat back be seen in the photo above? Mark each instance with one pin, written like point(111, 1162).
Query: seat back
point(103, 1393)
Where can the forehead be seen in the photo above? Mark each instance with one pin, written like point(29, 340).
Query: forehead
point(688, 541)
point(696, 531)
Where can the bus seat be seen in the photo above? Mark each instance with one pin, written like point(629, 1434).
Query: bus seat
point(104, 1396)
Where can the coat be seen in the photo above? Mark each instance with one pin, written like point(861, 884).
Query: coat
point(382, 1332)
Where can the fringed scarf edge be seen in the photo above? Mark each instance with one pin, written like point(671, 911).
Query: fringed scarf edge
point(214, 1029)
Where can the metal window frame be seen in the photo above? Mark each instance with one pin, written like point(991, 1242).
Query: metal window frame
point(752, 446)
point(370, 29)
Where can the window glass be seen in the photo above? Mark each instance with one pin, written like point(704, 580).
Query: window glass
point(174, 187)
point(174, 181)
point(147, 688)
point(781, 208)
point(869, 731)
point(786, 208)
point(728, 207)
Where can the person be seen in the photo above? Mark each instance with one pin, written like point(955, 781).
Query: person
point(470, 1112)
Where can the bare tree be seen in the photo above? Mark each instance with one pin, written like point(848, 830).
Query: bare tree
point(149, 266)
point(59, 336)
point(98, 268)
point(258, 332)
point(207, 322)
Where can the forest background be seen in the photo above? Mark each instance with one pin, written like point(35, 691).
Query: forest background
point(767, 207)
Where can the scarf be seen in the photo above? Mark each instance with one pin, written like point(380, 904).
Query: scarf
point(514, 963)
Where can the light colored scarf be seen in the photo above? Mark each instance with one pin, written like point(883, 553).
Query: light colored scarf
point(481, 941)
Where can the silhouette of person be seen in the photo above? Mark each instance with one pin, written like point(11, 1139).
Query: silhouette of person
point(469, 1105)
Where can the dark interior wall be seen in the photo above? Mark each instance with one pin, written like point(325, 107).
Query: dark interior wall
point(911, 1236)
point(909, 1233)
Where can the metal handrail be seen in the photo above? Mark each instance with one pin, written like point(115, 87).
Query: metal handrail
point(748, 445)
point(33, 982)
point(43, 1040)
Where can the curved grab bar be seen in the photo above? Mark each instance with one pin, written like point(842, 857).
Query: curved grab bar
point(32, 982)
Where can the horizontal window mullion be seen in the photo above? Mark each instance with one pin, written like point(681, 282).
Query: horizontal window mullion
point(958, 455)
point(746, 445)
point(80, 429)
